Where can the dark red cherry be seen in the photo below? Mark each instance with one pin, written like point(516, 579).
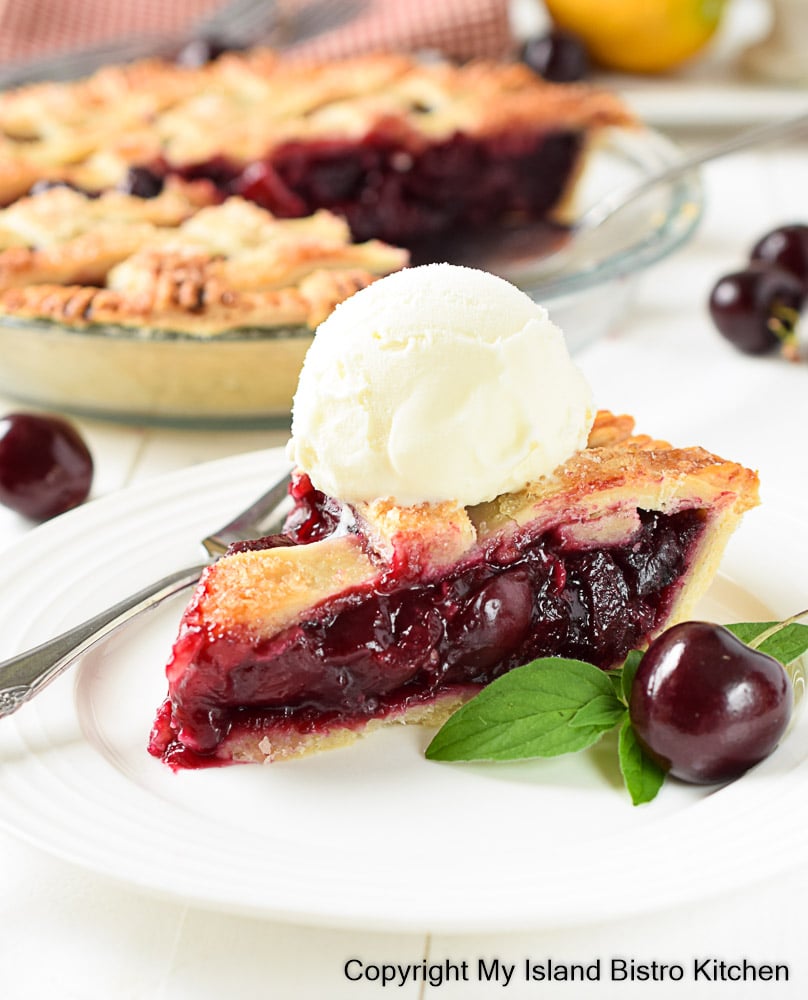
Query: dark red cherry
point(494, 623)
point(261, 183)
point(705, 705)
point(758, 309)
point(142, 182)
point(557, 55)
point(45, 466)
point(787, 247)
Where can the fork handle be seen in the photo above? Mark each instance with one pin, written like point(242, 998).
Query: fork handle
point(24, 676)
point(68, 65)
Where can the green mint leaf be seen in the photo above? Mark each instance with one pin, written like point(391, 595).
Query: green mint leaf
point(786, 645)
point(528, 712)
point(642, 775)
point(628, 672)
point(604, 710)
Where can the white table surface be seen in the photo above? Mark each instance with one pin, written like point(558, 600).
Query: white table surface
point(65, 933)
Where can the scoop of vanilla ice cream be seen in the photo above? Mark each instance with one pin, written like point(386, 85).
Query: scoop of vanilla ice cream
point(437, 383)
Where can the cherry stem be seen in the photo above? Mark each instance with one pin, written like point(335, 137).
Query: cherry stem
point(783, 324)
point(758, 641)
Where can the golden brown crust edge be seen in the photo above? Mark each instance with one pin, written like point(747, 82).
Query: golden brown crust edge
point(172, 263)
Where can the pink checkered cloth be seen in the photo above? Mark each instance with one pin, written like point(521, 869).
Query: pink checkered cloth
point(461, 29)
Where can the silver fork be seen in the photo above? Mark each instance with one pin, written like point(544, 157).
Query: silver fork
point(26, 674)
point(237, 24)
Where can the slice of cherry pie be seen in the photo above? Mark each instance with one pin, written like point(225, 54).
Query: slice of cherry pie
point(362, 615)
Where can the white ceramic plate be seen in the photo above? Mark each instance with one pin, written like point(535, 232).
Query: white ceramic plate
point(372, 835)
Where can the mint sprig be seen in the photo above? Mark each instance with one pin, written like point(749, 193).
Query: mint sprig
point(642, 776)
point(553, 706)
point(786, 645)
point(548, 707)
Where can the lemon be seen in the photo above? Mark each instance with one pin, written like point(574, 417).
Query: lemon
point(639, 36)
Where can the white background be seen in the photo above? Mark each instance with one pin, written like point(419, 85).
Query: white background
point(68, 934)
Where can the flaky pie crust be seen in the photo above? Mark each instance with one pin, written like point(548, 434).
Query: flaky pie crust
point(178, 262)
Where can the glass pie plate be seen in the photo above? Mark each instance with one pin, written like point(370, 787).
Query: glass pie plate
point(248, 377)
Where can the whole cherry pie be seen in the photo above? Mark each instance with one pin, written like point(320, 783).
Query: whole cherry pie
point(403, 150)
point(360, 615)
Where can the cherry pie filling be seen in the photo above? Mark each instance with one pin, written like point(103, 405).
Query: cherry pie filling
point(378, 650)
point(397, 187)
